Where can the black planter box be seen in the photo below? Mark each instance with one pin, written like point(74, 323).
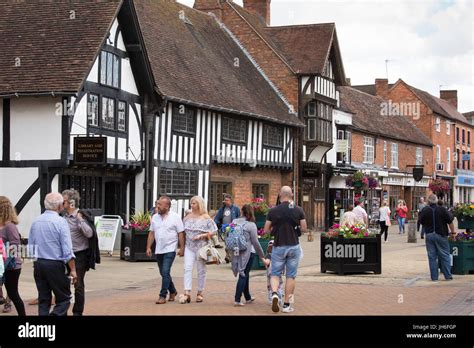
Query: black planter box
point(370, 261)
point(133, 247)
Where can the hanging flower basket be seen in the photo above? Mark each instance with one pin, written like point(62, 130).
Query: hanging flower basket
point(361, 182)
point(439, 186)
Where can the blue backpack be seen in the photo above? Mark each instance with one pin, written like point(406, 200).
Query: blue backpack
point(236, 240)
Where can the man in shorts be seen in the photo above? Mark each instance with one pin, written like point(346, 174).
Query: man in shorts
point(286, 222)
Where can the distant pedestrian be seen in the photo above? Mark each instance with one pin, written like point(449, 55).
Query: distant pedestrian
point(198, 228)
point(51, 236)
point(242, 260)
point(436, 220)
point(349, 217)
point(402, 211)
point(81, 232)
point(384, 219)
point(286, 222)
point(167, 230)
point(360, 212)
point(225, 215)
point(421, 206)
point(12, 242)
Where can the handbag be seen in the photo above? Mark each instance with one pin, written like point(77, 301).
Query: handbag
point(387, 221)
point(209, 255)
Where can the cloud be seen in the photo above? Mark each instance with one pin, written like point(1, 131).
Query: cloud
point(428, 43)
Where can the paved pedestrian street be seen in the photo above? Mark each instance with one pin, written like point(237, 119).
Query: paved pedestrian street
point(404, 288)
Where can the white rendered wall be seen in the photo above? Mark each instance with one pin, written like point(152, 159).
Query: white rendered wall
point(13, 184)
point(35, 130)
point(127, 79)
point(134, 134)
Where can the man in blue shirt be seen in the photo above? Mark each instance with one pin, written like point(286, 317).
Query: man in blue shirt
point(50, 236)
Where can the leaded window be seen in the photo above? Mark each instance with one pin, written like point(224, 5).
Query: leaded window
point(122, 116)
point(272, 136)
point(109, 69)
point(233, 129)
point(183, 119)
point(93, 110)
point(178, 182)
point(108, 113)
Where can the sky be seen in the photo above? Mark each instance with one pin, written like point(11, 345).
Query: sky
point(427, 43)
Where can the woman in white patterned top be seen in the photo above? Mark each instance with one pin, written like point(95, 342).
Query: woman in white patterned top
point(198, 228)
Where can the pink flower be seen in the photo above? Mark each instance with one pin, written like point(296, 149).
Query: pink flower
point(366, 234)
point(356, 230)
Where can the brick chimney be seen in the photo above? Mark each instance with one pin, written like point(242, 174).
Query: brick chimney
point(213, 6)
point(381, 88)
point(259, 7)
point(450, 96)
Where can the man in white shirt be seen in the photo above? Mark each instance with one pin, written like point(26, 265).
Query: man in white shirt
point(166, 229)
point(360, 212)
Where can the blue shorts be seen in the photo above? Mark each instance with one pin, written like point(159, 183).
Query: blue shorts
point(288, 256)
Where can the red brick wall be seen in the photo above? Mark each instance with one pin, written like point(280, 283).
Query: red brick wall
point(426, 123)
point(464, 146)
point(406, 153)
point(266, 58)
point(242, 181)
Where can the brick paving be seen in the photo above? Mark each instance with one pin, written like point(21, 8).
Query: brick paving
point(403, 288)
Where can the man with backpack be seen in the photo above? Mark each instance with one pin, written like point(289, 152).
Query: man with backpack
point(81, 234)
point(435, 220)
point(225, 215)
point(286, 222)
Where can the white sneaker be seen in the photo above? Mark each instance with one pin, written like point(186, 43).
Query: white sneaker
point(288, 309)
point(238, 304)
point(275, 305)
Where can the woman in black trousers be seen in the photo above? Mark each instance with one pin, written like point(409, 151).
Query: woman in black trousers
point(12, 241)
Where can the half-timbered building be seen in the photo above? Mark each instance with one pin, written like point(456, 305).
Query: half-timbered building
point(304, 62)
point(126, 101)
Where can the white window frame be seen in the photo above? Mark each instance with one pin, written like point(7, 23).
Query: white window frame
point(448, 159)
point(419, 156)
point(385, 161)
point(448, 127)
point(394, 156)
point(438, 124)
point(369, 150)
point(438, 154)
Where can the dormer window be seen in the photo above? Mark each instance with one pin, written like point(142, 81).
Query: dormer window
point(109, 69)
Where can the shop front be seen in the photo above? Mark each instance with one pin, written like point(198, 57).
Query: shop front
point(463, 186)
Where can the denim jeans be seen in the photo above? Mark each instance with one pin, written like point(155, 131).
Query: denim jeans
point(243, 282)
point(437, 247)
point(286, 257)
point(165, 261)
point(401, 225)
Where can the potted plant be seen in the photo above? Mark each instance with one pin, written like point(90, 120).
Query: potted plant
point(261, 209)
point(134, 237)
point(464, 213)
point(351, 249)
point(462, 249)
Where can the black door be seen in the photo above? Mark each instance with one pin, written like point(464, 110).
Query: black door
point(114, 198)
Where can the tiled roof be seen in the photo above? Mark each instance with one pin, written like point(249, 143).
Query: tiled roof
point(54, 43)
point(368, 117)
point(305, 48)
point(196, 60)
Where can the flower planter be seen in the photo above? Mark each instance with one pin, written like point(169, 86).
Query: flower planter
point(133, 247)
point(351, 255)
point(257, 263)
point(260, 220)
point(465, 222)
point(463, 257)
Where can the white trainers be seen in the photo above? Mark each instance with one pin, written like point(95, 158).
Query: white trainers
point(238, 304)
point(275, 304)
point(288, 309)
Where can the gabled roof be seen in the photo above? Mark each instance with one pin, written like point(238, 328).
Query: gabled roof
point(368, 117)
point(54, 51)
point(438, 105)
point(304, 48)
point(194, 60)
